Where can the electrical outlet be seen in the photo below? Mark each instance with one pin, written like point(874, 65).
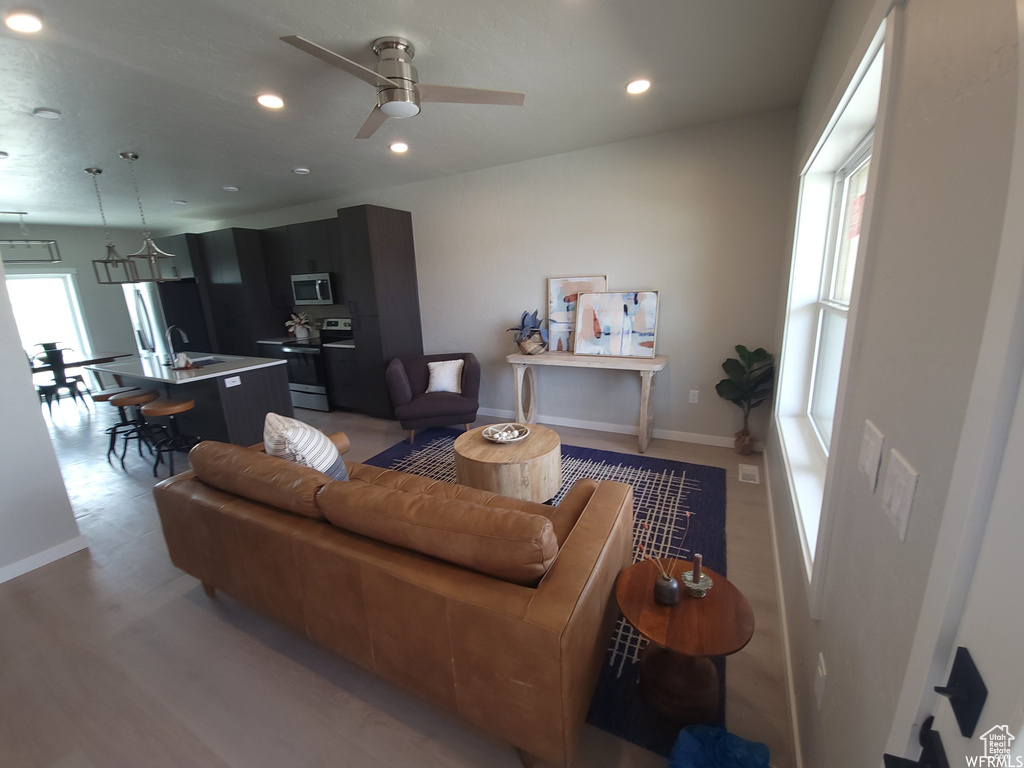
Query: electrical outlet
point(898, 491)
point(232, 381)
point(870, 453)
point(819, 680)
point(694, 395)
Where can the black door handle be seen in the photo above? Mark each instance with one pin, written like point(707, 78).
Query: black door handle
point(933, 755)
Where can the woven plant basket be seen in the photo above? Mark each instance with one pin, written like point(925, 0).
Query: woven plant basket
point(533, 345)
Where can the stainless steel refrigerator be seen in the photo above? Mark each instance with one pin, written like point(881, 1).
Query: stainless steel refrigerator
point(155, 307)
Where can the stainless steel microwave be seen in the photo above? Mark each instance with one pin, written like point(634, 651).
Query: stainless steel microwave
point(313, 288)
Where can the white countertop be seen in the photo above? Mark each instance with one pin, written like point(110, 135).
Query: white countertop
point(152, 368)
point(341, 344)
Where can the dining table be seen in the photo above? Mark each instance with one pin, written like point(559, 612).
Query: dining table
point(99, 357)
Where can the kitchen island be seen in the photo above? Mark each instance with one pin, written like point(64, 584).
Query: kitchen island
point(232, 394)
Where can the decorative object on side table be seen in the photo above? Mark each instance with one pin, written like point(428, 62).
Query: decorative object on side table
point(697, 582)
point(666, 588)
point(505, 433)
point(620, 324)
point(750, 383)
point(562, 295)
point(531, 334)
point(299, 325)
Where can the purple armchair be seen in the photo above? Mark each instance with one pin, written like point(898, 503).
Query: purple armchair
point(415, 408)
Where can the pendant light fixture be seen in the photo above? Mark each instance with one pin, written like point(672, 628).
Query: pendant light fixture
point(150, 270)
point(26, 251)
point(112, 270)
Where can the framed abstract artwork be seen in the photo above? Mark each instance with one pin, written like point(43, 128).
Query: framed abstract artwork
point(618, 324)
point(562, 293)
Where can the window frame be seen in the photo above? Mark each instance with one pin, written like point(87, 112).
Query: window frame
point(808, 472)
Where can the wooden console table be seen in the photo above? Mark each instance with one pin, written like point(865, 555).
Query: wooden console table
point(523, 365)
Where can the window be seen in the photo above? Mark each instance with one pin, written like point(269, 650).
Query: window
point(849, 191)
point(821, 305)
point(46, 309)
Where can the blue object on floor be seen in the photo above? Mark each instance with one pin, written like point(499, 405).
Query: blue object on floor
point(701, 746)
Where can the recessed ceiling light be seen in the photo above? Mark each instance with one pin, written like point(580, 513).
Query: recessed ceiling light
point(300, 171)
point(230, 189)
point(270, 101)
point(399, 147)
point(638, 86)
point(24, 21)
point(180, 202)
point(46, 113)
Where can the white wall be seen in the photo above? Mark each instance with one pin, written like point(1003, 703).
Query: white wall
point(36, 521)
point(935, 233)
point(699, 214)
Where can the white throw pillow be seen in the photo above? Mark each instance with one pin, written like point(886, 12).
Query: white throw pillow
point(445, 376)
point(296, 441)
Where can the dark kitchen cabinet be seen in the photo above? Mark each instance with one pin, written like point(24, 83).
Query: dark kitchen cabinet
point(181, 247)
point(239, 300)
point(342, 379)
point(297, 249)
point(376, 269)
point(270, 350)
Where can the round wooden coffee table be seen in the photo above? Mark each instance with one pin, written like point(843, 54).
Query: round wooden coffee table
point(676, 676)
point(529, 469)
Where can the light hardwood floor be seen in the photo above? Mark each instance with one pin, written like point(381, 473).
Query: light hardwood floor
point(112, 657)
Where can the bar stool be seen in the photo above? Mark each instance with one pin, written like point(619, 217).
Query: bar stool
point(124, 424)
point(176, 441)
point(137, 428)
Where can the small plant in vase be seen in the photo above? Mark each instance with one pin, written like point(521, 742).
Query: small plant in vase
point(299, 325)
point(750, 383)
point(531, 334)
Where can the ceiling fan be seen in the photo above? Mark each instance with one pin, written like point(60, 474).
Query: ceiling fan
point(399, 91)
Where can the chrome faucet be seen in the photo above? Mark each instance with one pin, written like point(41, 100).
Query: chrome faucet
point(170, 342)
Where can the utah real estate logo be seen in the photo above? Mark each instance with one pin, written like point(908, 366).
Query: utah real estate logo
point(998, 743)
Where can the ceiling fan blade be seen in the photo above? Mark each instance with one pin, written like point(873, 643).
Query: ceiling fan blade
point(373, 122)
point(358, 70)
point(450, 94)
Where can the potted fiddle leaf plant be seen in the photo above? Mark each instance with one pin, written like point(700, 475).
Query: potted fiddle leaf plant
point(531, 334)
point(750, 381)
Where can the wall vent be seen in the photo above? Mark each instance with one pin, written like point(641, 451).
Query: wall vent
point(749, 473)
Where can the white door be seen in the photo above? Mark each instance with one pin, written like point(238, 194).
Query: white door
point(992, 622)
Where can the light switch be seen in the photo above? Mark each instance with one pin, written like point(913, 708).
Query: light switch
point(232, 381)
point(898, 491)
point(870, 453)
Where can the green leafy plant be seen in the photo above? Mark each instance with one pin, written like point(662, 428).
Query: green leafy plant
point(529, 324)
point(750, 382)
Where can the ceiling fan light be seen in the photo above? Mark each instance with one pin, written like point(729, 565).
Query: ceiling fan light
point(399, 147)
point(398, 102)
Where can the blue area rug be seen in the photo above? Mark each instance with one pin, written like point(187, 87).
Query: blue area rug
point(663, 492)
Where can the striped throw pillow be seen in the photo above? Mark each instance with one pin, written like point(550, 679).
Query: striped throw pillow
point(296, 441)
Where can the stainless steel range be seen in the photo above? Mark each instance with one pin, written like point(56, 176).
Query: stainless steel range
point(307, 378)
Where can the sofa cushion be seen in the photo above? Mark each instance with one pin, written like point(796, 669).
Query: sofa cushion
point(504, 543)
point(256, 476)
point(297, 441)
point(563, 517)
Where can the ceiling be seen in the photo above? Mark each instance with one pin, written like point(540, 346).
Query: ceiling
point(176, 83)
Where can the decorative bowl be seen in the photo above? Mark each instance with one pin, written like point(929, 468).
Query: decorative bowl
point(505, 433)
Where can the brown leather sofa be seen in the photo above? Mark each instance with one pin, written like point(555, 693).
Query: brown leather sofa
point(497, 609)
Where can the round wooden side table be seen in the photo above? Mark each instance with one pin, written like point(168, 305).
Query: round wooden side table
point(529, 469)
point(677, 676)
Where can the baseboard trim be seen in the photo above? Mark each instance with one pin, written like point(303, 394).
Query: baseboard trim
point(38, 560)
point(621, 429)
point(783, 626)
